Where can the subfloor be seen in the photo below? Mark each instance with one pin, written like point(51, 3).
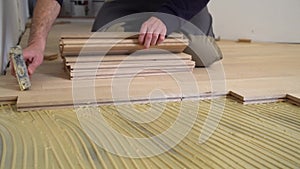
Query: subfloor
point(247, 136)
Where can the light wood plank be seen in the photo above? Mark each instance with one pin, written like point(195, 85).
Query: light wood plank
point(86, 75)
point(107, 35)
point(126, 58)
point(127, 71)
point(149, 64)
point(294, 98)
point(113, 41)
point(118, 48)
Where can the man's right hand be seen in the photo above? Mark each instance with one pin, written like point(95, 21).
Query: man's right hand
point(152, 32)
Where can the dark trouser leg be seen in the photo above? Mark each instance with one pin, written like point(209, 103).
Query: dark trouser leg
point(203, 21)
point(203, 48)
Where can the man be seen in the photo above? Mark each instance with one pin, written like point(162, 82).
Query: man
point(152, 31)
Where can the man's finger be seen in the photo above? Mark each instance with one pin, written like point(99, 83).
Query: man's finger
point(143, 32)
point(148, 39)
point(158, 36)
point(162, 36)
point(154, 39)
point(160, 39)
point(31, 67)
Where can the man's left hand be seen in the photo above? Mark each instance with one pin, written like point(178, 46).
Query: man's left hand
point(152, 32)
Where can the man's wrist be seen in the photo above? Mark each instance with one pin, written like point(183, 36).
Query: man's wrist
point(37, 44)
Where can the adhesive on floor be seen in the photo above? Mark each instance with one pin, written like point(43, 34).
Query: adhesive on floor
point(248, 136)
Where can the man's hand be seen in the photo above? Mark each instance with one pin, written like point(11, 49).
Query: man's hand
point(152, 32)
point(33, 56)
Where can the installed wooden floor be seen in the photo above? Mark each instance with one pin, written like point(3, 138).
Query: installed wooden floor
point(249, 72)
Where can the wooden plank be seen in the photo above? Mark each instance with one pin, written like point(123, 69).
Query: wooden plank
point(9, 89)
point(259, 90)
point(244, 40)
point(88, 75)
point(127, 71)
point(126, 58)
point(113, 41)
point(244, 98)
point(294, 98)
point(121, 65)
point(103, 95)
point(140, 90)
point(118, 48)
point(108, 35)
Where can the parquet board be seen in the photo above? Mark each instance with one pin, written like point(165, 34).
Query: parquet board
point(68, 50)
point(65, 34)
point(127, 58)
point(120, 65)
point(294, 98)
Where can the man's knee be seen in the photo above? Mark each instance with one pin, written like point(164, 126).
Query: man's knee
point(204, 50)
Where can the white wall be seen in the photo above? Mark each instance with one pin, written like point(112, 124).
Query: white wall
point(259, 20)
point(13, 17)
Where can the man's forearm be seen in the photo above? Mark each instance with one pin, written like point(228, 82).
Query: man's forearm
point(44, 15)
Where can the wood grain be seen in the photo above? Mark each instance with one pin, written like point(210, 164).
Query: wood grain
point(255, 72)
point(108, 55)
point(107, 35)
point(145, 56)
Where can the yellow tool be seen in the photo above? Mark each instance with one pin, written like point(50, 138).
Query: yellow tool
point(20, 67)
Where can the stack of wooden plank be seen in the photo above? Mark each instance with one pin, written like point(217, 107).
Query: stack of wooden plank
point(110, 55)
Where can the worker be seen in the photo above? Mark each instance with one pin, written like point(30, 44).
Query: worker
point(152, 31)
